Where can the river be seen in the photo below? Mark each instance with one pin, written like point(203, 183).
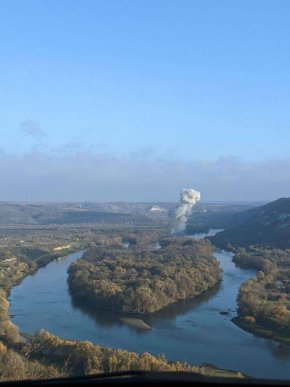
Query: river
point(193, 331)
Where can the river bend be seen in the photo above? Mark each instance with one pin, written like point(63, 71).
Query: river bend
point(193, 331)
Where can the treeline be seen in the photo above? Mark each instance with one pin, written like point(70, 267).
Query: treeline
point(15, 365)
point(143, 280)
point(9, 333)
point(259, 258)
point(46, 356)
point(264, 301)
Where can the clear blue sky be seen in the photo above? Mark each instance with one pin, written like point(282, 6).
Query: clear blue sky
point(184, 82)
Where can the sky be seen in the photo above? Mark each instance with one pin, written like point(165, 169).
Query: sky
point(136, 99)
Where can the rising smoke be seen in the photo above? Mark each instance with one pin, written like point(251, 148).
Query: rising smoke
point(188, 198)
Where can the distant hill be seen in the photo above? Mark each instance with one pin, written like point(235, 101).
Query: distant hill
point(17, 214)
point(267, 225)
point(215, 215)
point(77, 213)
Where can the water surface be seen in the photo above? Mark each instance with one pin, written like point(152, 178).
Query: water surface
point(194, 331)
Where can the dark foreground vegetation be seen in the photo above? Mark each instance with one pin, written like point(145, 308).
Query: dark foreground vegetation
point(143, 280)
point(264, 301)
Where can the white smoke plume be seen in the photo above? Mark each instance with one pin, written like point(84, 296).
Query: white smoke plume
point(188, 198)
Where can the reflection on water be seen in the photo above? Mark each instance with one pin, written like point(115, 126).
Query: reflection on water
point(104, 318)
point(279, 350)
point(194, 331)
point(184, 306)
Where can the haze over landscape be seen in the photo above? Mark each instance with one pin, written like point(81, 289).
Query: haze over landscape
point(103, 101)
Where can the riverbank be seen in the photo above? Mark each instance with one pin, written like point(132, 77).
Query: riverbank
point(261, 331)
point(34, 266)
point(46, 356)
point(264, 300)
point(9, 332)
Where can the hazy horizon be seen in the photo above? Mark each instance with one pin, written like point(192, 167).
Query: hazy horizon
point(20, 202)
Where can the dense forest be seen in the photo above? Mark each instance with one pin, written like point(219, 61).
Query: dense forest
point(264, 301)
point(140, 280)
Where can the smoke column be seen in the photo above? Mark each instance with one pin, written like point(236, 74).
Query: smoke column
point(188, 198)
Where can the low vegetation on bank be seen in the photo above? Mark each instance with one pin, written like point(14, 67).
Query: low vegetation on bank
point(9, 333)
point(139, 280)
point(264, 301)
point(22, 253)
point(47, 356)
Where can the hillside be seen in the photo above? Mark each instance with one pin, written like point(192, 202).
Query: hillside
point(215, 215)
point(80, 213)
point(267, 225)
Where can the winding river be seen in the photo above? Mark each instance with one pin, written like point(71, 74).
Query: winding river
point(193, 331)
